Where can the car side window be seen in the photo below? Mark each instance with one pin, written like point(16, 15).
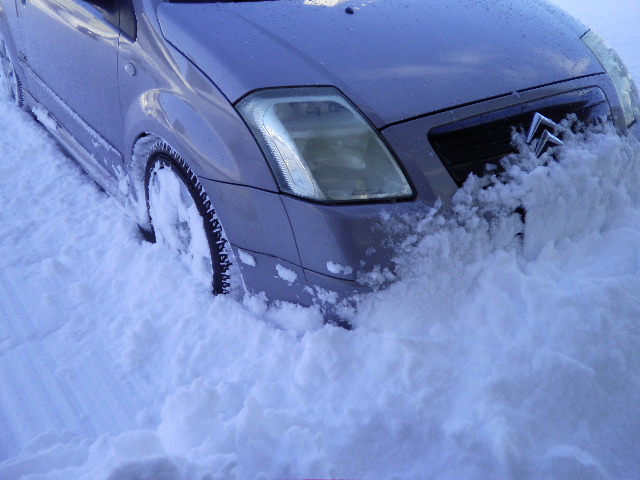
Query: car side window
point(119, 13)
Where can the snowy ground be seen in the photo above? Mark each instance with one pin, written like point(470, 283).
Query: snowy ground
point(489, 359)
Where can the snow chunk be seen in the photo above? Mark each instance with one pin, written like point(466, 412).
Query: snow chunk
point(44, 118)
point(338, 269)
point(246, 258)
point(286, 274)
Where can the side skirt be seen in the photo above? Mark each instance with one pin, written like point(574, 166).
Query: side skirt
point(103, 177)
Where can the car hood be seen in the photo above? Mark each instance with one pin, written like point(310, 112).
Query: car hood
point(394, 59)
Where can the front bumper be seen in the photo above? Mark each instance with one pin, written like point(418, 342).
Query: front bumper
point(305, 252)
point(324, 248)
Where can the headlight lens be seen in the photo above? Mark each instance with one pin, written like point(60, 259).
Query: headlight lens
point(320, 147)
point(619, 74)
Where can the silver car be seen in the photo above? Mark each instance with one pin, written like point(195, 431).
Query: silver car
point(278, 132)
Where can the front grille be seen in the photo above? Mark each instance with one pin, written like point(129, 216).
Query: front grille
point(470, 145)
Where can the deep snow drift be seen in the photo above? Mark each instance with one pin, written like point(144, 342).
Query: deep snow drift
point(494, 356)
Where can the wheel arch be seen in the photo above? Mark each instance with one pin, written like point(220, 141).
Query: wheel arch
point(213, 140)
point(212, 136)
point(199, 123)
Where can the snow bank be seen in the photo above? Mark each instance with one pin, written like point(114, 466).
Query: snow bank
point(524, 349)
point(494, 355)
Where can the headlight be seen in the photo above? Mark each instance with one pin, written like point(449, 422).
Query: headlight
point(320, 147)
point(619, 74)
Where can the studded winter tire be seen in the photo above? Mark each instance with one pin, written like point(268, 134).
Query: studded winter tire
point(182, 217)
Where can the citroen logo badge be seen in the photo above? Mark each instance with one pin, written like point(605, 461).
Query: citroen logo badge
point(547, 137)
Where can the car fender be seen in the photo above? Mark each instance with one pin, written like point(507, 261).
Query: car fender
point(241, 195)
point(169, 96)
point(216, 145)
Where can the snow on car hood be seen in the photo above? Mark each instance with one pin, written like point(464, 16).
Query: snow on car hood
point(395, 60)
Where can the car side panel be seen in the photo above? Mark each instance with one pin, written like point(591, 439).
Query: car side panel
point(70, 61)
point(10, 32)
point(169, 97)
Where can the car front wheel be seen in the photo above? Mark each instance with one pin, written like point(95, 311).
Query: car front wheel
point(182, 217)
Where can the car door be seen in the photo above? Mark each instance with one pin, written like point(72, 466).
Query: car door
point(70, 54)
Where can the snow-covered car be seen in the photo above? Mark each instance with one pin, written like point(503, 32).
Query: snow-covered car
point(293, 128)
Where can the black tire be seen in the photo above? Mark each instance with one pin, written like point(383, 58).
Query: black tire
point(164, 157)
point(12, 83)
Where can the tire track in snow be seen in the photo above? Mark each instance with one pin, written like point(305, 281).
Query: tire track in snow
point(37, 404)
point(44, 393)
point(59, 385)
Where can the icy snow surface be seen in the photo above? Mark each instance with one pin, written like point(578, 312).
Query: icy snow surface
point(490, 358)
point(285, 274)
point(246, 258)
point(337, 269)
